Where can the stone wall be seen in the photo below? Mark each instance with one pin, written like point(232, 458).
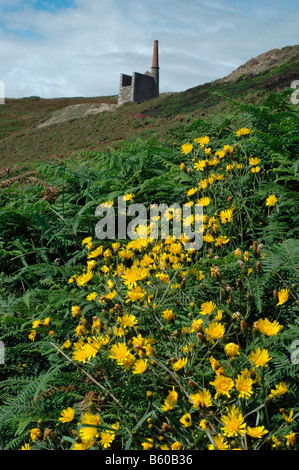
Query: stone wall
point(144, 87)
point(126, 89)
point(138, 87)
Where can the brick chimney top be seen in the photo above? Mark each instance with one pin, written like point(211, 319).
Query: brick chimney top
point(155, 63)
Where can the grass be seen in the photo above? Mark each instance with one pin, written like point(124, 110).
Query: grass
point(22, 143)
point(106, 341)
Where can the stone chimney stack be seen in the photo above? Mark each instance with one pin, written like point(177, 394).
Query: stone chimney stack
point(155, 68)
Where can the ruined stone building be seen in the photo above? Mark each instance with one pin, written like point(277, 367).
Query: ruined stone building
point(140, 87)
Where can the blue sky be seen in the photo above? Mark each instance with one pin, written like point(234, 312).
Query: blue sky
point(53, 48)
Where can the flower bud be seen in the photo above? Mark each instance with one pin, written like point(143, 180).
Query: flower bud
point(182, 167)
point(201, 337)
point(258, 267)
point(191, 383)
point(165, 427)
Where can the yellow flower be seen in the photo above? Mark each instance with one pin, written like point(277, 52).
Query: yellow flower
point(176, 446)
point(222, 240)
point(128, 361)
point(290, 439)
point(289, 418)
point(35, 433)
point(204, 201)
point(125, 253)
point(259, 357)
point(197, 325)
point(111, 295)
point(202, 141)
point(220, 154)
point(86, 240)
point(67, 415)
point(81, 446)
point(172, 397)
point(226, 216)
point(280, 389)
point(148, 445)
point(202, 424)
point(97, 252)
point(271, 200)
point(90, 418)
point(80, 330)
point(232, 349)
point(257, 432)
point(168, 315)
point(186, 148)
point(283, 296)
point(228, 149)
point(180, 364)
point(47, 321)
point(208, 238)
point(26, 446)
point(191, 191)
point(164, 447)
point(230, 166)
point(215, 330)
point(84, 278)
point(140, 366)
point(76, 311)
point(219, 443)
point(136, 293)
point(163, 277)
point(91, 265)
point(200, 165)
point(214, 363)
point(167, 406)
point(276, 442)
point(267, 328)
point(107, 204)
point(32, 335)
point(107, 438)
point(255, 169)
point(128, 321)
point(96, 325)
point(202, 398)
point(244, 386)
point(88, 434)
point(242, 131)
point(128, 197)
point(254, 161)
point(186, 420)
point(119, 352)
point(223, 385)
point(36, 323)
point(67, 344)
point(80, 355)
point(234, 424)
point(203, 183)
point(207, 307)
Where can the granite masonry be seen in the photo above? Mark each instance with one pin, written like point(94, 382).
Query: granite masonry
point(139, 87)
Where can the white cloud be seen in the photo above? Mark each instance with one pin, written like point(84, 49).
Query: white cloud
point(81, 50)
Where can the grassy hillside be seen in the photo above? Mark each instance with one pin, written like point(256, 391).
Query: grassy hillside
point(143, 343)
point(21, 142)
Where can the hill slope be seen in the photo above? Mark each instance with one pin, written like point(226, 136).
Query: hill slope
point(23, 140)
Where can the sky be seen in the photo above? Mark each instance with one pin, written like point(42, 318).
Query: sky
point(72, 48)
